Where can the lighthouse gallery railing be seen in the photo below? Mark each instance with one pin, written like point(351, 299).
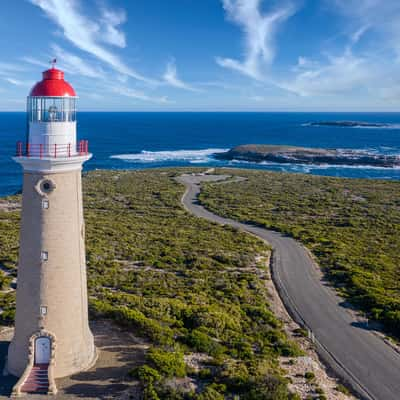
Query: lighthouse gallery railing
point(53, 150)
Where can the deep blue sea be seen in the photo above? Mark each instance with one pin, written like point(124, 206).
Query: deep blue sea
point(149, 140)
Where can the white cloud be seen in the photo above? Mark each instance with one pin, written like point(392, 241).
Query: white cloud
point(304, 63)
point(35, 61)
point(111, 19)
point(258, 99)
point(74, 64)
point(219, 85)
point(8, 72)
point(6, 67)
point(14, 81)
point(86, 34)
point(259, 30)
point(358, 34)
point(380, 16)
point(137, 94)
point(339, 74)
point(171, 77)
point(367, 71)
point(18, 82)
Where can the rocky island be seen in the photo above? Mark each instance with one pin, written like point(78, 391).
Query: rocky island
point(304, 155)
point(350, 124)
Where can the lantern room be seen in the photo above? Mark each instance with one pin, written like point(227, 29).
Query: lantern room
point(52, 99)
point(51, 117)
point(51, 109)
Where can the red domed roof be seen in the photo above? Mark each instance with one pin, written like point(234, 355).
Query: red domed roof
point(52, 85)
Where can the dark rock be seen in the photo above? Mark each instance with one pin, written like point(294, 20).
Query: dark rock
point(304, 155)
point(350, 124)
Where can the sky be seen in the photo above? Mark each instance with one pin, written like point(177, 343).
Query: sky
point(206, 55)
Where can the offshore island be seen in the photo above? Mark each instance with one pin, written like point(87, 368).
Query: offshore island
point(304, 155)
point(350, 124)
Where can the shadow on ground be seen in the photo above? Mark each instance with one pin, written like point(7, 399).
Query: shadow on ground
point(6, 382)
point(119, 352)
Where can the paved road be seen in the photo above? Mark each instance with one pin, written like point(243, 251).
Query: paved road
point(356, 354)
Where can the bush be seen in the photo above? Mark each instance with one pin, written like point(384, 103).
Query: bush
point(342, 389)
point(319, 390)
point(201, 342)
point(204, 373)
point(146, 374)
point(147, 377)
point(267, 388)
point(168, 363)
point(301, 332)
point(310, 376)
point(134, 318)
point(211, 393)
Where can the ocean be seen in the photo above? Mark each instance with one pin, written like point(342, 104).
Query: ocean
point(151, 140)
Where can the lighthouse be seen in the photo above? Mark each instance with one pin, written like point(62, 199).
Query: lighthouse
point(52, 338)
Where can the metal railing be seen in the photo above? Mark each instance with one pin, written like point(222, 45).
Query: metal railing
point(53, 150)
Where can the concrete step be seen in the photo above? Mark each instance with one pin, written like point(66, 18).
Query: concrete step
point(38, 380)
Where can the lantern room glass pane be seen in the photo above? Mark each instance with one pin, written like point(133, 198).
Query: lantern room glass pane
point(51, 109)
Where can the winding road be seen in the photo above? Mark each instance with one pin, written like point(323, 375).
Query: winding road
point(357, 355)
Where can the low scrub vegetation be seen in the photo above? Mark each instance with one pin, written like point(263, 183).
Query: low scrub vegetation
point(188, 286)
point(352, 227)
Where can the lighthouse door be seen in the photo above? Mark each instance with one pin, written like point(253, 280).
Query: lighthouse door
point(42, 350)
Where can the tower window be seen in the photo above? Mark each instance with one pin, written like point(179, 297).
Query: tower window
point(43, 310)
point(44, 255)
point(45, 204)
point(47, 186)
point(44, 187)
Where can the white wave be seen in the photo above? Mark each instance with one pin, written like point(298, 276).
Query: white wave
point(390, 126)
point(191, 156)
point(333, 166)
point(311, 167)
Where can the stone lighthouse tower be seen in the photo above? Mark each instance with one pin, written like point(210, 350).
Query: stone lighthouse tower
point(52, 337)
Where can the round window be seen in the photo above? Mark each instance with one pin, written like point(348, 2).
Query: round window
point(47, 186)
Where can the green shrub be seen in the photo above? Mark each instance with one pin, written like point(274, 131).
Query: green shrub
point(210, 393)
point(342, 389)
point(134, 318)
point(205, 373)
point(310, 376)
point(267, 388)
point(201, 342)
point(146, 374)
point(301, 332)
point(147, 377)
point(168, 363)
